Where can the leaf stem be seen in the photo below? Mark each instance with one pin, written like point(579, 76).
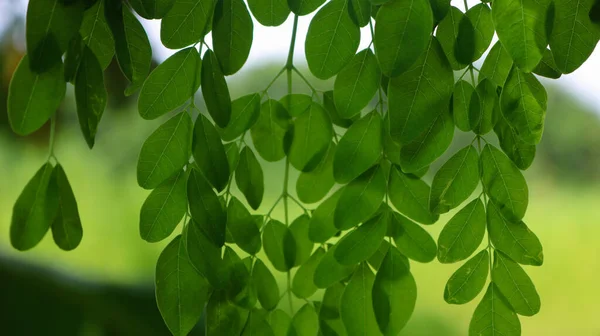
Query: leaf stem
point(472, 75)
point(273, 81)
point(52, 137)
point(298, 203)
point(312, 88)
point(290, 59)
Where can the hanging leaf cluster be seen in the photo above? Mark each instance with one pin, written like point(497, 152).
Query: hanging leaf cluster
point(361, 150)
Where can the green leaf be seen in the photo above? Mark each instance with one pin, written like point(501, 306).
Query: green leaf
point(266, 286)
point(73, 57)
point(336, 119)
point(164, 208)
point(279, 245)
point(363, 242)
point(296, 103)
point(244, 113)
point(180, 291)
point(516, 285)
point(360, 12)
point(440, 9)
point(90, 95)
point(504, 183)
point(186, 23)
point(280, 321)
point(206, 209)
point(96, 34)
point(33, 98)
point(205, 256)
point(270, 13)
point(514, 239)
point(332, 39)
point(209, 153)
point(480, 16)
point(357, 303)
point(312, 186)
point(429, 145)
point(321, 226)
point(215, 90)
point(468, 281)
point(420, 94)
point(303, 285)
point(226, 319)
point(305, 322)
point(269, 130)
point(493, 316)
point(240, 288)
point(152, 9)
point(66, 227)
point(165, 151)
point(132, 46)
point(35, 210)
point(523, 104)
point(257, 324)
point(312, 134)
point(520, 152)
point(249, 178)
point(463, 234)
point(330, 307)
point(464, 49)
point(358, 149)
point(483, 119)
point(461, 104)
point(170, 85)
point(304, 245)
point(497, 65)
point(448, 33)
point(410, 195)
point(242, 227)
point(363, 195)
point(377, 258)
point(50, 25)
point(329, 271)
point(547, 66)
point(412, 240)
point(573, 36)
point(455, 181)
point(521, 28)
point(304, 7)
point(394, 293)
point(233, 156)
point(402, 34)
point(232, 34)
point(356, 84)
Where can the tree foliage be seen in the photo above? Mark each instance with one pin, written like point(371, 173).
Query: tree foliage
point(361, 149)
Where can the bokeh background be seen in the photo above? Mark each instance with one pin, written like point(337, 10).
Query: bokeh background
point(105, 286)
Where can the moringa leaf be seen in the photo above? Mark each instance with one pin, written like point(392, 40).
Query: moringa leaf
point(205, 256)
point(420, 94)
point(497, 65)
point(515, 285)
point(215, 90)
point(521, 28)
point(305, 322)
point(336, 119)
point(312, 186)
point(463, 234)
point(96, 34)
point(356, 84)
point(180, 291)
point(357, 306)
point(322, 226)
point(402, 34)
point(152, 9)
point(394, 293)
point(455, 181)
point(244, 113)
point(468, 281)
point(269, 130)
point(547, 66)
point(209, 153)
point(332, 39)
point(520, 152)
point(312, 133)
point(90, 95)
point(304, 7)
point(34, 98)
point(303, 285)
point(165, 151)
point(493, 316)
point(410, 195)
point(232, 34)
point(363, 195)
point(461, 104)
point(296, 103)
point(363, 242)
point(270, 13)
point(206, 209)
point(480, 16)
point(440, 9)
point(164, 208)
point(304, 245)
point(169, 85)
point(244, 231)
point(329, 271)
point(278, 241)
point(257, 324)
point(225, 317)
point(266, 285)
point(233, 156)
point(503, 183)
point(358, 149)
point(448, 33)
point(514, 239)
point(483, 119)
point(464, 49)
point(412, 240)
point(66, 227)
point(249, 178)
point(279, 321)
point(360, 12)
point(186, 23)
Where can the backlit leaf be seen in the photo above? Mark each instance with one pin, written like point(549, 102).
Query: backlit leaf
point(363, 195)
point(205, 256)
point(304, 245)
point(305, 322)
point(266, 286)
point(90, 95)
point(304, 7)
point(412, 240)
point(257, 324)
point(357, 304)
point(497, 65)
point(206, 209)
point(448, 32)
point(97, 35)
point(336, 119)
point(329, 271)
point(303, 285)
point(356, 84)
point(242, 227)
point(232, 34)
point(547, 66)
point(321, 226)
point(360, 12)
point(461, 103)
point(462, 234)
point(520, 152)
point(215, 90)
point(359, 244)
point(480, 16)
point(278, 240)
point(296, 103)
point(186, 23)
point(279, 321)
point(269, 130)
point(493, 316)
point(312, 133)
point(66, 227)
point(410, 195)
point(270, 13)
point(515, 285)
point(483, 119)
point(226, 319)
point(244, 113)
point(209, 153)
point(312, 186)
point(468, 281)
point(249, 178)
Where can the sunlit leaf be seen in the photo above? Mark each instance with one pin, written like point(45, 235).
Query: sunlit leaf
point(312, 186)
point(357, 304)
point(493, 316)
point(410, 195)
point(269, 130)
point(468, 281)
point(304, 245)
point(312, 133)
point(303, 285)
point(462, 234)
point(244, 113)
point(515, 285)
point(356, 84)
point(363, 195)
point(96, 34)
point(278, 241)
point(497, 65)
point(209, 153)
point(411, 239)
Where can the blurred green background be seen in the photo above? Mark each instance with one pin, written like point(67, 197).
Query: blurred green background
point(105, 286)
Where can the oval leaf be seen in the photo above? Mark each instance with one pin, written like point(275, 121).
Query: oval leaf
point(356, 84)
point(515, 285)
point(357, 305)
point(269, 130)
point(232, 34)
point(363, 195)
point(206, 209)
point(244, 113)
point(363, 242)
point(412, 240)
point(266, 286)
point(410, 195)
point(312, 133)
point(215, 90)
point(242, 227)
point(329, 271)
point(209, 153)
point(493, 316)
point(462, 234)
point(249, 178)
point(312, 186)
point(90, 95)
point(279, 245)
point(186, 23)
point(303, 285)
point(468, 281)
